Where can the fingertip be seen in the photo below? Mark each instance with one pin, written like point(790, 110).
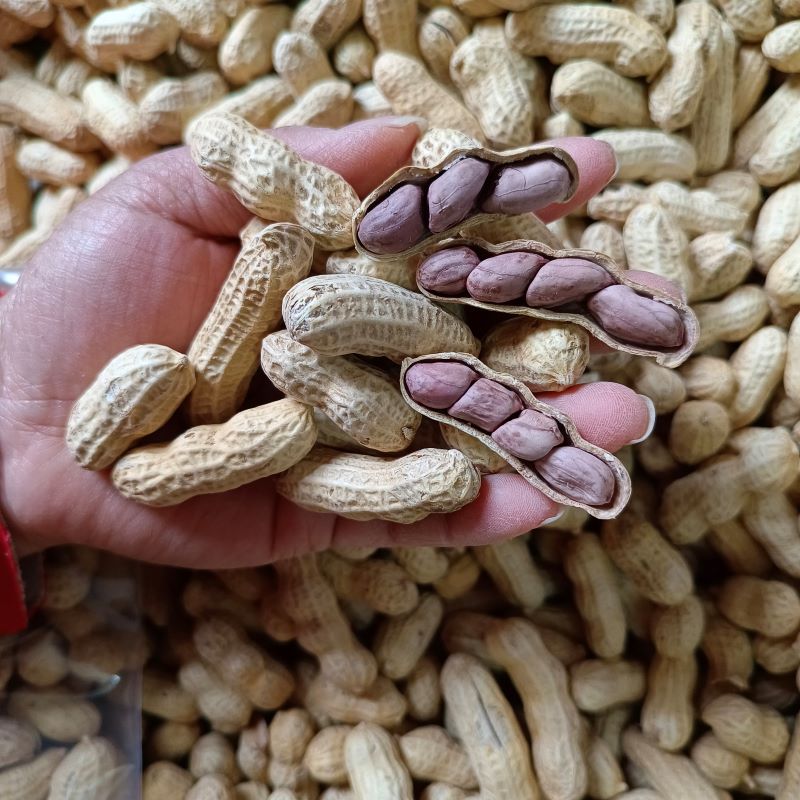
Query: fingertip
point(365, 153)
point(607, 414)
point(597, 166)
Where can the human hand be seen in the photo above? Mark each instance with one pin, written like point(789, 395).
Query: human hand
point(141, 262)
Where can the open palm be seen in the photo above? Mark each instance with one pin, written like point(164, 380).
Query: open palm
point(142, 261)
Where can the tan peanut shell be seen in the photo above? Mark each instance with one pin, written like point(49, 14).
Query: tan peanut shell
point(246, 51)
point(362, 487)
point(225, 350)
point(343, 314)
point(90, 771)
point(423, 175)
point(488, 75)
point(19, 742)
point(134, 395)
point(55, 713)
point(374, 765)
point(550, 712)
point(139, 31)
point(606, 33)
point(272, 181)
point(432, 754)
point(326, 20)
point(667, 357)
point(170, 103)
point(546, 356)
point(267, 439)
point(358, 398)
point(622, 479)
point(402, 271)
point(325, 104)
point(488, 729)
point(411, 90)
point(31, 780)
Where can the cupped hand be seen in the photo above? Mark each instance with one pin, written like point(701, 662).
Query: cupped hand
point(140, 262)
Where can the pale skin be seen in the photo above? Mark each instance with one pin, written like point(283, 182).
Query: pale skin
point(140, 262)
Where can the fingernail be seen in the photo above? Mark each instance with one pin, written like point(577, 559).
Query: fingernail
point(616, 167)
point(652, 423)
point(404, 122)
point(550, 520)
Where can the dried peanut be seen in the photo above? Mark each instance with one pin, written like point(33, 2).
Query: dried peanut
point(134, 395)
point(271, 180)
point(267, 439)
point(225, 351)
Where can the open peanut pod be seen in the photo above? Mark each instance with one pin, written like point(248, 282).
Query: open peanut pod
point(540, 442)
point(418, 206)
point(580, 286)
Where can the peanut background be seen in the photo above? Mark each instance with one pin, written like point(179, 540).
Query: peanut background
point(650, 657)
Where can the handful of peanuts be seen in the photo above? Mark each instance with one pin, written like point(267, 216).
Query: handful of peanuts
point(652, 654)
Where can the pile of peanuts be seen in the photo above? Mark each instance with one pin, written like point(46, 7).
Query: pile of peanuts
point(644, 646)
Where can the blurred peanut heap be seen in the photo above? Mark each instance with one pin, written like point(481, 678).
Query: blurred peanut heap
point(648, 657)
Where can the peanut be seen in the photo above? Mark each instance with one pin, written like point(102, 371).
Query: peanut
point(563, 31)
point(381, 319)
point(326, 20)
point(363, 487)
point(16, 198)
point(410, 89)
point(267, 439)
point(550, 712)
point(90, 771)
point(320, 626)
point(362, 401)
point(374, 765)
point(576, 474)
point(485, 723)
point(225, 351)
point(134, 395)
point(31, 780)
point(140, 31)
point(246, 51)
point(273, 182)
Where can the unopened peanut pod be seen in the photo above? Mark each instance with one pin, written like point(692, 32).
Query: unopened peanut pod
point(578, 313)
point(622, 481)
point(413, 235)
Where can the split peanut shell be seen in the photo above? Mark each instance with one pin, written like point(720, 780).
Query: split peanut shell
point(668, 357)
point(423, 176)
point(622, 489)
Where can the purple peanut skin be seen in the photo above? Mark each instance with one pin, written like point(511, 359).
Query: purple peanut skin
point(486, 405)
point(578, 475)
point(503, 278)
point(396, 223)
point(439, 384)
point(565, 280)
point(519, 188)
point(530, 436)
point(446, 272)
point(636, 319)
point(452, 195)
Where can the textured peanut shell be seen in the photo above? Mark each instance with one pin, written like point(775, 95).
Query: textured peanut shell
point(253, 444)
point(424, 175)
point(225, 351)
point(668, 358)
point(90, 771)
point(362, 487)
point(31, 781)
point(134, 395)
point(271, 180)
point(342, 314)
point(622, 489)
point(361, 400)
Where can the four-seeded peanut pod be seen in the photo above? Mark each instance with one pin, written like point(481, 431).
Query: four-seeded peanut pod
point(459, 390)
point(528, 278)
point(418, 206)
